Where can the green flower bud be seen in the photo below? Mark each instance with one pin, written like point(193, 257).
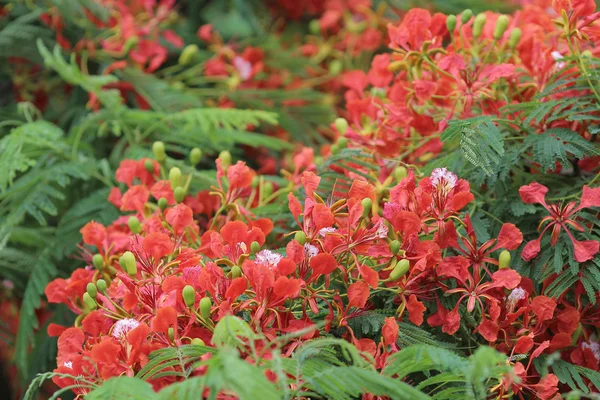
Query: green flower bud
point(189, 296)
point(504, 259)
point(128, 263)
point(367, 205)
point(236, 272)
point(225, 158)
point(198, 342)
point(341, 125)
point(395, 247)
point(501, 25)
point(573, 395)
point(478, 25)
point(101, 285)
point(162, 203)
point(254, 247)
point(314, 27)
point(335, 67)
point(149, 165)
point(92, 290)
point(195, 155)
point(175, 177)
point(335, 148)
point(98, 261)
point(399, 270)
point(300, 237)
point(342, 142)
point(267, 189)
point(205, 306)
point(188, 54)
point(466, 16)
point(134, 225)
point(158, 148)
point(451, 23)
point(400, 173)
point(515, 37)
point(89, 302)
point(171, 334)
point(179, 194)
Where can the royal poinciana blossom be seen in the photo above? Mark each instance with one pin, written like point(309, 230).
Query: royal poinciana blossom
point(166, 278)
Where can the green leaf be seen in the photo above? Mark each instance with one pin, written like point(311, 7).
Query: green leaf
point(122, 388)
point(230, 330)
point(557, 145)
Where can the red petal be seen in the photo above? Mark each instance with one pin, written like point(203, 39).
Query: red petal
point(543, 307)
point(585, 250)
point(533, 193)
point(107, 351)
point(509, 238)
point(166, 317)
point(358, 294)
point(158, 245)
point(323, 264)
point(287, 288)
point(93, 234)
point(369, 275)
point(489, 330)
point(416, 309)
point(523, 345)
point(590, 197)
point(389, 331)
point(237, 287)
point(507, 278)
point(180, 217)
point(531, 250)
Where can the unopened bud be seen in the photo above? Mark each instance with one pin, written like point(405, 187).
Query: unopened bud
point(478, 25)
point(515, 37)
point(195, 155)
point(300, 237)
point(341, 125)
point(367, 205)
point(399, 270)
point(162, 203)
point(504, 259)
point(197, 342)
point(400, 173)
point(451, 23)
point(225, 158)
point(335, 148)
point(134, 225)
point(501, 25)
point(314, 27)
point(189, 296)
point(267, 189)
point(236, 272)
point(188, 54)
point(395, 247)
point(101, 285)
point(179, 194)
point(342, 142)
point(205, 306)
point(158, 148)
point(335, 67)
point(171, 333)
point(92, 290)
point(255, 182)
point(254, 247)
point(149, 165)
point(175, 177)
point(89, 302)
point(466, 16)
point(128, 263)
point(98, 261)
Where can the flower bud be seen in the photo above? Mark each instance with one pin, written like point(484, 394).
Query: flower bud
point(255, 182)
point(101, 285)
point(98, 261)
point(335, 67)
point(341, 125)
point(267, 189)
point(478, 25)
point(189, 296)
point(195, 155)
point(134, 225)
point(92, 290)
point(179, 194)
point(197, 342)
point(451, 23)
point(573, 395)
point(335, 148)
point(236, 272)
point(162, 203)
point(149, 165)
point(504, 259)
point(367, 205)
point(175, 177)
point(128, 263)
point(225, 158)
point(171, 333)
point(205, 306)
point(395, 247)
point(158, 148)
point(254, 247)
point(342, 142)
point(466, 16)
point(515, 37)
point(399, 270)
point(188, 54)
point(89, 302)
point(300, 237)
point(400, 173)
point(501, 25)
point(314, 27)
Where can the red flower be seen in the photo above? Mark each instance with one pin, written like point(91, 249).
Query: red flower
point(180, 217)
point(135, 198)
point(93, 234)
point(323, 264)
point(157, 245)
